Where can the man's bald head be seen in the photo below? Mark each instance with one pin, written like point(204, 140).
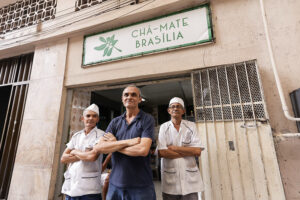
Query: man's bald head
point(133, 86)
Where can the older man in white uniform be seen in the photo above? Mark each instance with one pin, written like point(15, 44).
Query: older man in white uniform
point(178, 145)
point(83, 177)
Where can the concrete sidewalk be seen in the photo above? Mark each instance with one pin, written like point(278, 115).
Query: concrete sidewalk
point(157, 185)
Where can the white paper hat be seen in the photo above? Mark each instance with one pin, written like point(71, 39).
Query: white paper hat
point(93, 108)
point(176, 100)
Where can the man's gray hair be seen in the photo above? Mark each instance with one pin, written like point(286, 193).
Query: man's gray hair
point(132, 85)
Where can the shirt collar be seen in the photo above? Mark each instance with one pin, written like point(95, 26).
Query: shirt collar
point(139, 115)
point(171, 123)
point(90, 133)
point(180, 127)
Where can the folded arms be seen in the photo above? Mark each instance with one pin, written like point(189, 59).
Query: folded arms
point(108, 144)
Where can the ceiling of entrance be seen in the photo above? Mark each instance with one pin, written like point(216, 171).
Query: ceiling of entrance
point(157, 94)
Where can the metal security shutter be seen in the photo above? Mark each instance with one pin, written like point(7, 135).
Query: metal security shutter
point(14, 77)
point(239, 161)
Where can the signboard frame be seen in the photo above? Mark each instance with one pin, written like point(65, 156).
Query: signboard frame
point(175, 47)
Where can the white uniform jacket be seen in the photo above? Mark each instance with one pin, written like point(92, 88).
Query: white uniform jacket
point(83, 177)
point(180, 176)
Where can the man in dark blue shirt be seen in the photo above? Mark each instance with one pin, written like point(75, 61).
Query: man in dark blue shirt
point(130, 137)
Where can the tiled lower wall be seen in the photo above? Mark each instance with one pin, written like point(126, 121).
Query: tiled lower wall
point(80, 101)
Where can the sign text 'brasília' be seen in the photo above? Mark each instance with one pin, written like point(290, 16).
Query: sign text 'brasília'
point(173, 31)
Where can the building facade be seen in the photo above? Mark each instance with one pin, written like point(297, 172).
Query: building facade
point(226, 78)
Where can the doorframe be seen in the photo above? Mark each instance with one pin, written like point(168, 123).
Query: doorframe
point(114, 85)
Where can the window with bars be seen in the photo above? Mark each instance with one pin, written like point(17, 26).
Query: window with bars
point(230, 92)
point(107, 4)
point(26, 13)
point(14, 81)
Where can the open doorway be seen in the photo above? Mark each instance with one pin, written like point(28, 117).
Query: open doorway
point(4, 100)
point(156, 95)
point(155, 99)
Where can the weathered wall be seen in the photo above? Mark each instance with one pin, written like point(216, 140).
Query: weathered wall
point(41, 125)
point(284, 26)
point(289, 160)
point(239, 34)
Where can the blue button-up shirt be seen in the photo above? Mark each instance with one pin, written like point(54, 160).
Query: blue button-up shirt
point(131, 171)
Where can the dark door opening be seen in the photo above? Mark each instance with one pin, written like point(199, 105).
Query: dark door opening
point(4, 99)
point(14, 80)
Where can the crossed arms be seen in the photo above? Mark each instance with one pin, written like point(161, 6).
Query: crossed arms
point(179, 152)
point(108, 144)
point(131, 147)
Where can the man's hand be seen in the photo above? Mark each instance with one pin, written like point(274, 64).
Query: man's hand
point(109, 137)
point(140, 149)
point(172, 147)
point(87, 155)
point(108, 143)
point(73, 152)
point(67, 157)
point(134, 141)
point(185, 151)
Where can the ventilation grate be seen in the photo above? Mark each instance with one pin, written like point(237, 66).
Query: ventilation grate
point(26, 13)
point(109, 5)
point(229, 92)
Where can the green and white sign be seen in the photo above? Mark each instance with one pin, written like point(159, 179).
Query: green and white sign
point(173, 31)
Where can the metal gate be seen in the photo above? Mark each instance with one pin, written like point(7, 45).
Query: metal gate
point(239, 161)
point(14, 81)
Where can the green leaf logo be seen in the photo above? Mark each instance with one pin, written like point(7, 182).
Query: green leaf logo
point(108, 46)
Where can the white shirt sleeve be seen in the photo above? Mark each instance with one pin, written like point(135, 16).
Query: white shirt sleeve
point(162, 137)
point(71, 143)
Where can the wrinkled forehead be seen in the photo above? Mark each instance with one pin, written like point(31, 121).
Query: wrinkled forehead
point(130, 90)
point(176, 104)
point(89, 112)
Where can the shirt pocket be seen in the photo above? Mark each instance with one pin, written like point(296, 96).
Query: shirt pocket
point(170, 175)
point(67, 184)
point(90, 181)
point(187, 138)
point(192, 174)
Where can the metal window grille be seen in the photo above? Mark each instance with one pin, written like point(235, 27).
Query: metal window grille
point(109, 5)
point(230, 92)
point(26, 13)
point(14, 78)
